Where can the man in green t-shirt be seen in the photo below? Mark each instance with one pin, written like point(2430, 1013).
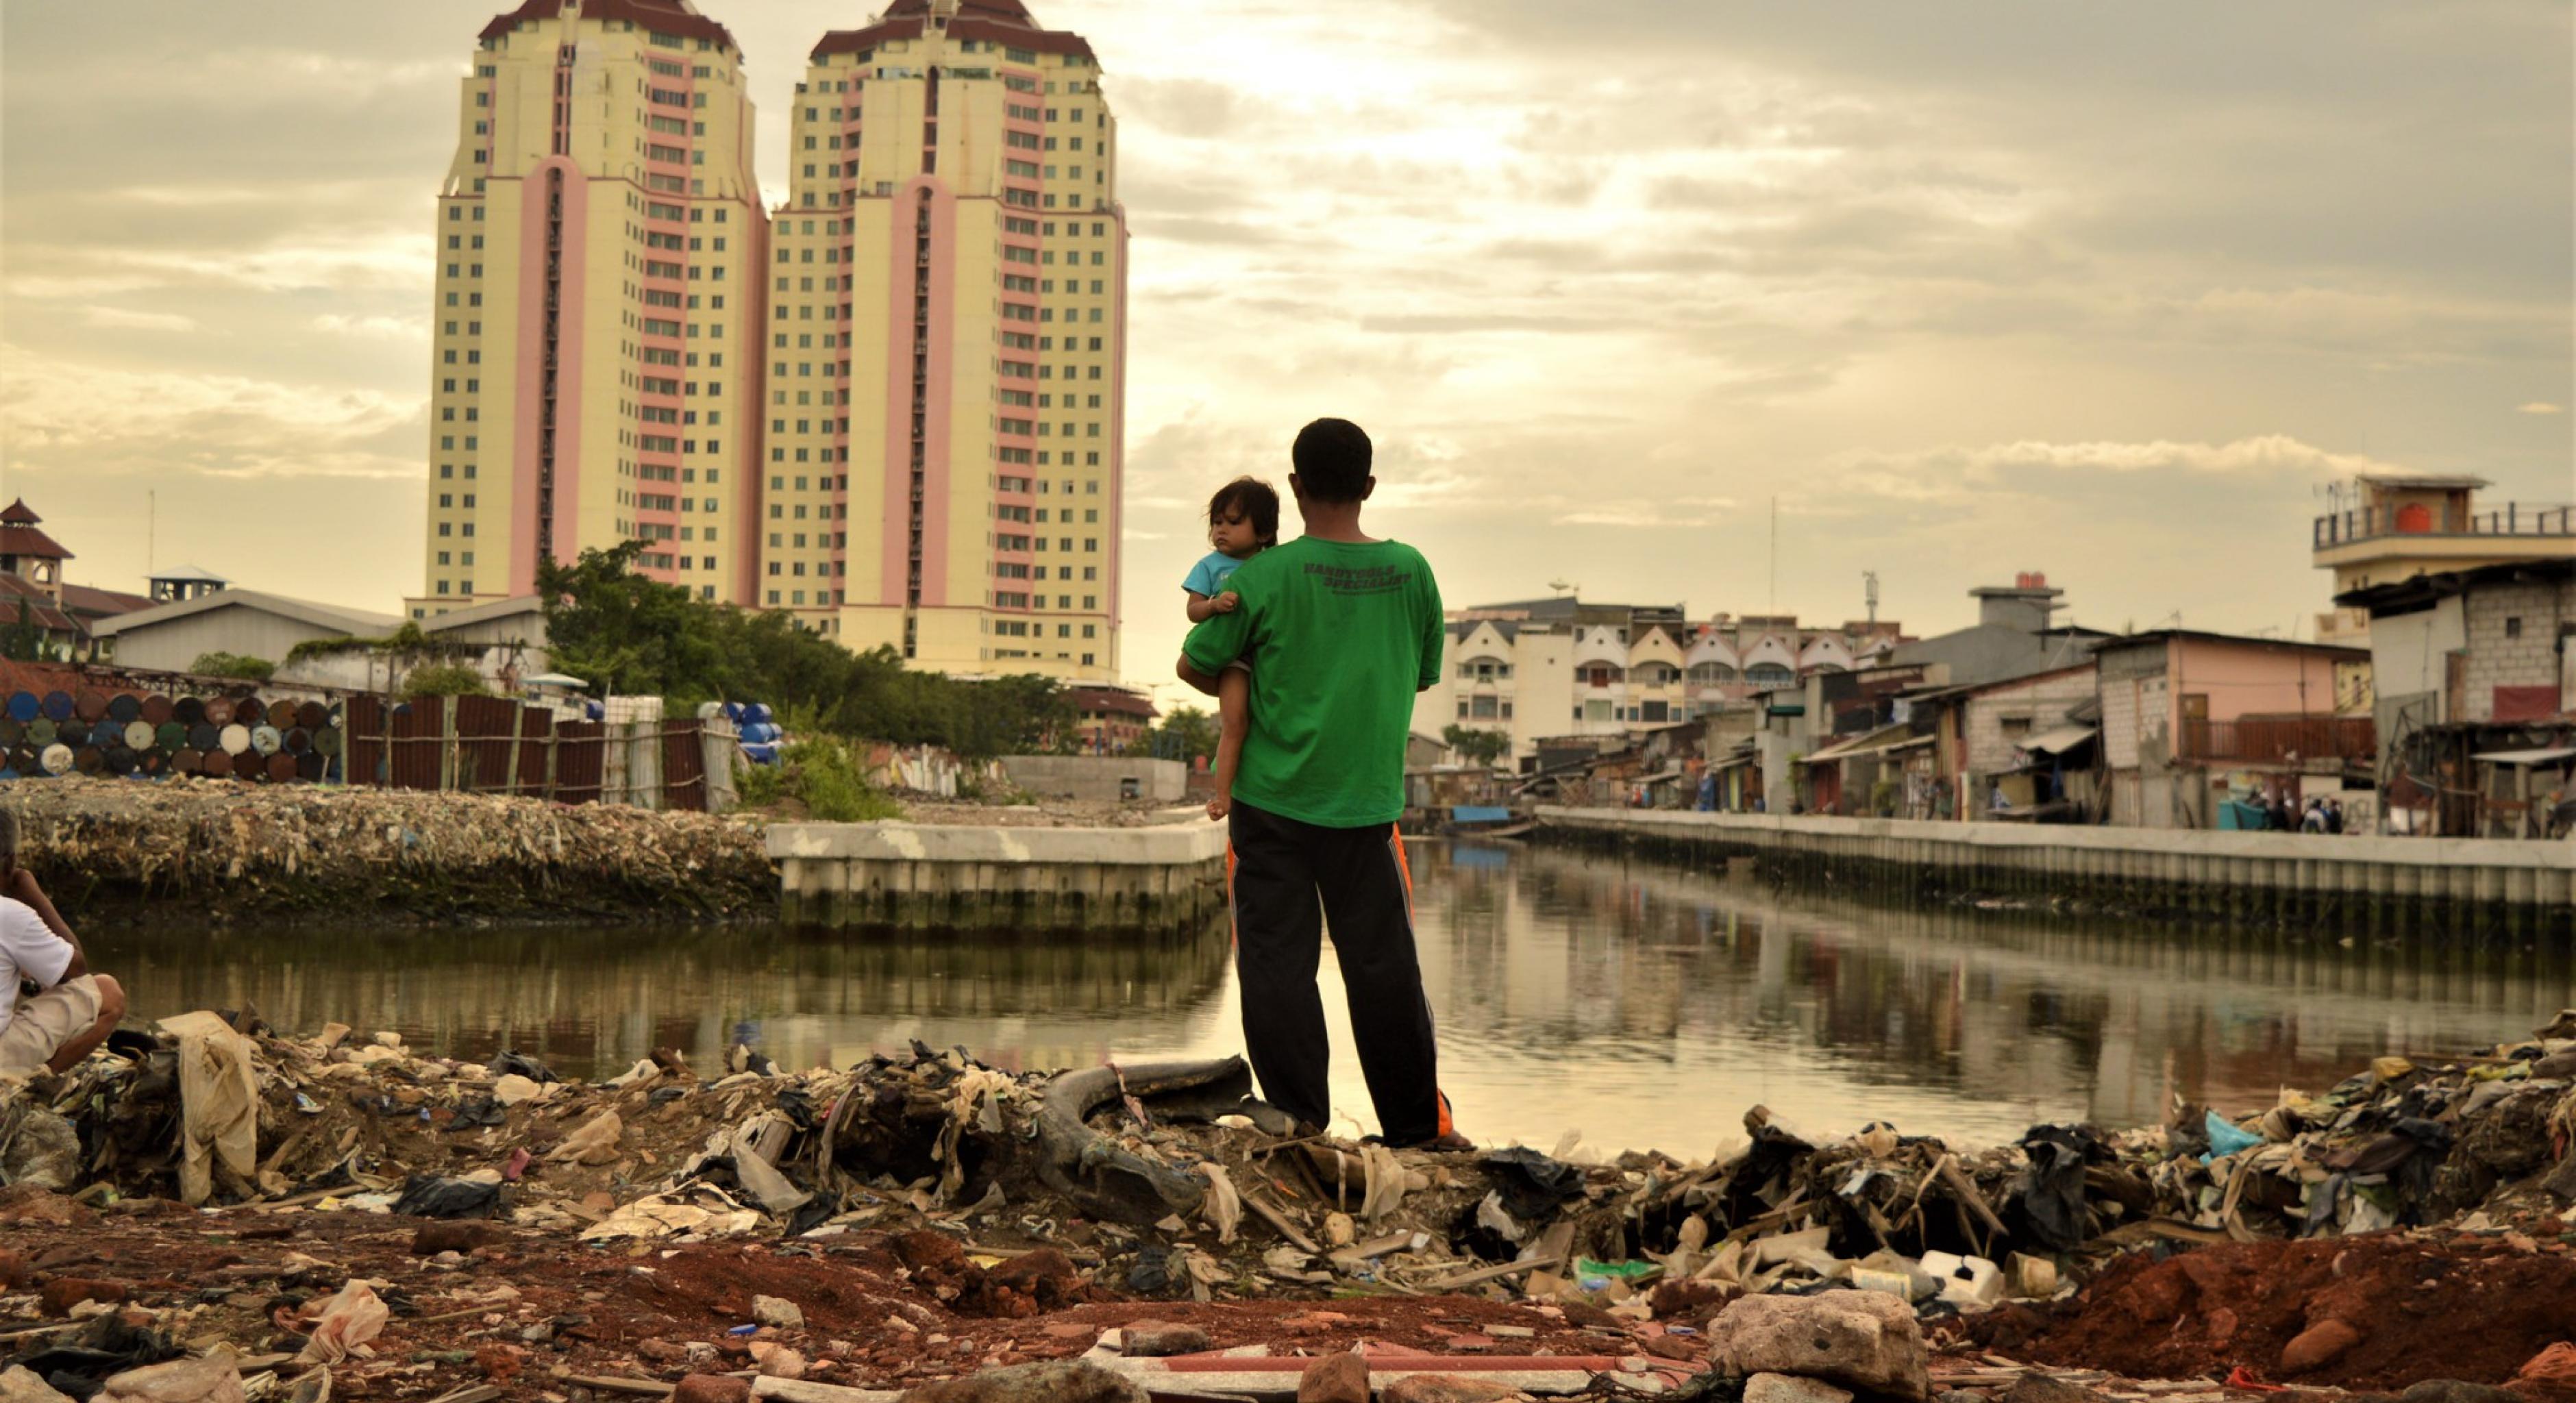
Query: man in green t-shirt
point(1340, 630)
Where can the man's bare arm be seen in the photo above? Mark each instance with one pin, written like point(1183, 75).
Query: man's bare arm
point(23, 886)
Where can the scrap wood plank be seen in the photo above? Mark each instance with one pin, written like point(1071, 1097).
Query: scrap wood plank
point(1481, 1275)
point(473, 1393)
point(647, 1388)
point(808, 1391)
point(1276, 1379)
point(1254, 1200)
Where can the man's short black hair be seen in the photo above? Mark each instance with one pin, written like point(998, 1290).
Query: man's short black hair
point(1332, 458)
point(1257, 500)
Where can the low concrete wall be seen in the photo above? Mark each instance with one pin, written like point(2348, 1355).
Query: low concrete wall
point(1099, 777)
point(2470, 887)
point(1000, 878)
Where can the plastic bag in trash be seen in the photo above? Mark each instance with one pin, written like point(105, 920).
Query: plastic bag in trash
point(2048, 1207)
point(508, 1064)
point(1532, 1184)
point(481, 1111)
point(2225, 1139)
point(107, 1348)
point(343, 1324)
point(427, 1196)
point(42, 1148)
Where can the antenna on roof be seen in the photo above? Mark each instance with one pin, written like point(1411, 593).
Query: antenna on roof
point(1563, 586)
point(1869, 586)
point(1774, 605)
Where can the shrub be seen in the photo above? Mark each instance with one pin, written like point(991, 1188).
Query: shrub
point(760, 785)
point(823, 775)
point(241, 665)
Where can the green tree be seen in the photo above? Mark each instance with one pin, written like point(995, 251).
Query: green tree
point(1187, 734)
point(624, 632)
point(1476, 745)
point(23, 640)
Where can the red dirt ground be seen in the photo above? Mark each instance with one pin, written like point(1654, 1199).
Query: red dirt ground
point(2453, 1307)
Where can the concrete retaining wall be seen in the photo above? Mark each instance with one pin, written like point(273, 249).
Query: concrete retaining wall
point(1028, 879)
point(1104, 778)
point(2465, 887)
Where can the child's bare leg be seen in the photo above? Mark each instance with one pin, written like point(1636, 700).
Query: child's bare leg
point(1233, 714)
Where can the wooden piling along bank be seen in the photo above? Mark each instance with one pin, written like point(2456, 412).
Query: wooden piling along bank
point(2466, 888)
point(1107, 880)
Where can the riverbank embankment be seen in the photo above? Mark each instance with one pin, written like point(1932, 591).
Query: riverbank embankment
point(2477, 888)
point(1091, 880)
point(208, 852)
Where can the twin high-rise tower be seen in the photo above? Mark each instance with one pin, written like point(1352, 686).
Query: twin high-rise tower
point(890, 405)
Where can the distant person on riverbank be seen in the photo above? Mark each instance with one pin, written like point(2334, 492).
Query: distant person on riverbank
point(1243, 521)
point(1340, 631)
point(72, 1009)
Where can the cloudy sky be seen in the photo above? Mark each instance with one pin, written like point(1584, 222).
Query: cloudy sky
point(2103, 290)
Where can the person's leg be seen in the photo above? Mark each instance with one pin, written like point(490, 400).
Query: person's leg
point(75, 1017)
point(111, 1011)
point(1368, 905)
point(1278, 938)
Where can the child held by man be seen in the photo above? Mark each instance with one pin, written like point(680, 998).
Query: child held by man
point(1243, 521)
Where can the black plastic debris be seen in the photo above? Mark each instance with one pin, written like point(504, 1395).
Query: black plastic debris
point(479, 1112)
point(426, 1196)
point(107, 1348)
point(508, 1063)
point(2048, 1207)
point(1532, 1184)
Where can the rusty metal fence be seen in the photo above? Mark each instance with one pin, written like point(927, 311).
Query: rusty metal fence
point(477, 745)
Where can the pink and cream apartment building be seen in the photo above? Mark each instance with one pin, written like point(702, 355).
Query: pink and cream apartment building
point(891, 405)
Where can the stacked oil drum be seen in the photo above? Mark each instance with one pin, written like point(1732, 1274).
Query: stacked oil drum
point(149, 736)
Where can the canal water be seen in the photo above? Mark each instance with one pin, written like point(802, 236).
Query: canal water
point(1637, 1004)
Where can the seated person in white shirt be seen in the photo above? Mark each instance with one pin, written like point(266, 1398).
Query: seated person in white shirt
point(73, 1010)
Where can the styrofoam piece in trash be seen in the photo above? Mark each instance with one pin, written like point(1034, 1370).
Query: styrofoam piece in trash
point(1966, 1281)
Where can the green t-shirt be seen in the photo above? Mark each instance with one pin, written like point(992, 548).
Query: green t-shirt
point(1340, 637)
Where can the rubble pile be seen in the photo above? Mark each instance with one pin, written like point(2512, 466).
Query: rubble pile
point(2399, 1144)
point(419, 1226)
point(108, 848)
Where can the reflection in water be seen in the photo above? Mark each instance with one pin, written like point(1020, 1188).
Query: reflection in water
point(590, 1001)
point(1642, 1005)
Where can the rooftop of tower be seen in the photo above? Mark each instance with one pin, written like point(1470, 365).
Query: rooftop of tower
point(674, 17)
point(1006, 22)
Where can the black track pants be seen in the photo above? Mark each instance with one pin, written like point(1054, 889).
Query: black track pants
point(1288, 879)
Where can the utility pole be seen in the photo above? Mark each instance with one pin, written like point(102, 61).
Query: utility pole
point(1774, 606)
point(1869, 581)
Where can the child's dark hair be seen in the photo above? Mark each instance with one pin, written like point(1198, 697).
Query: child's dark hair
point(1332, 458)
point(1257, 500)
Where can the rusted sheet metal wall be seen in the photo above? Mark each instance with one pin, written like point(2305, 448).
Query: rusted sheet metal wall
point(103, 725)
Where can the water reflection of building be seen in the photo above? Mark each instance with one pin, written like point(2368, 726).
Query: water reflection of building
point(1958, 1017)
point(1645, 1005)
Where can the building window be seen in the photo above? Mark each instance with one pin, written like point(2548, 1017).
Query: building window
point(2513, 628)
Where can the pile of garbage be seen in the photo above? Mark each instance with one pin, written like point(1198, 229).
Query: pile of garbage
point(2399, 1144)
point(1167, 1192)
point(161, 851)
point(1190, 1186)
point(933, 1180)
